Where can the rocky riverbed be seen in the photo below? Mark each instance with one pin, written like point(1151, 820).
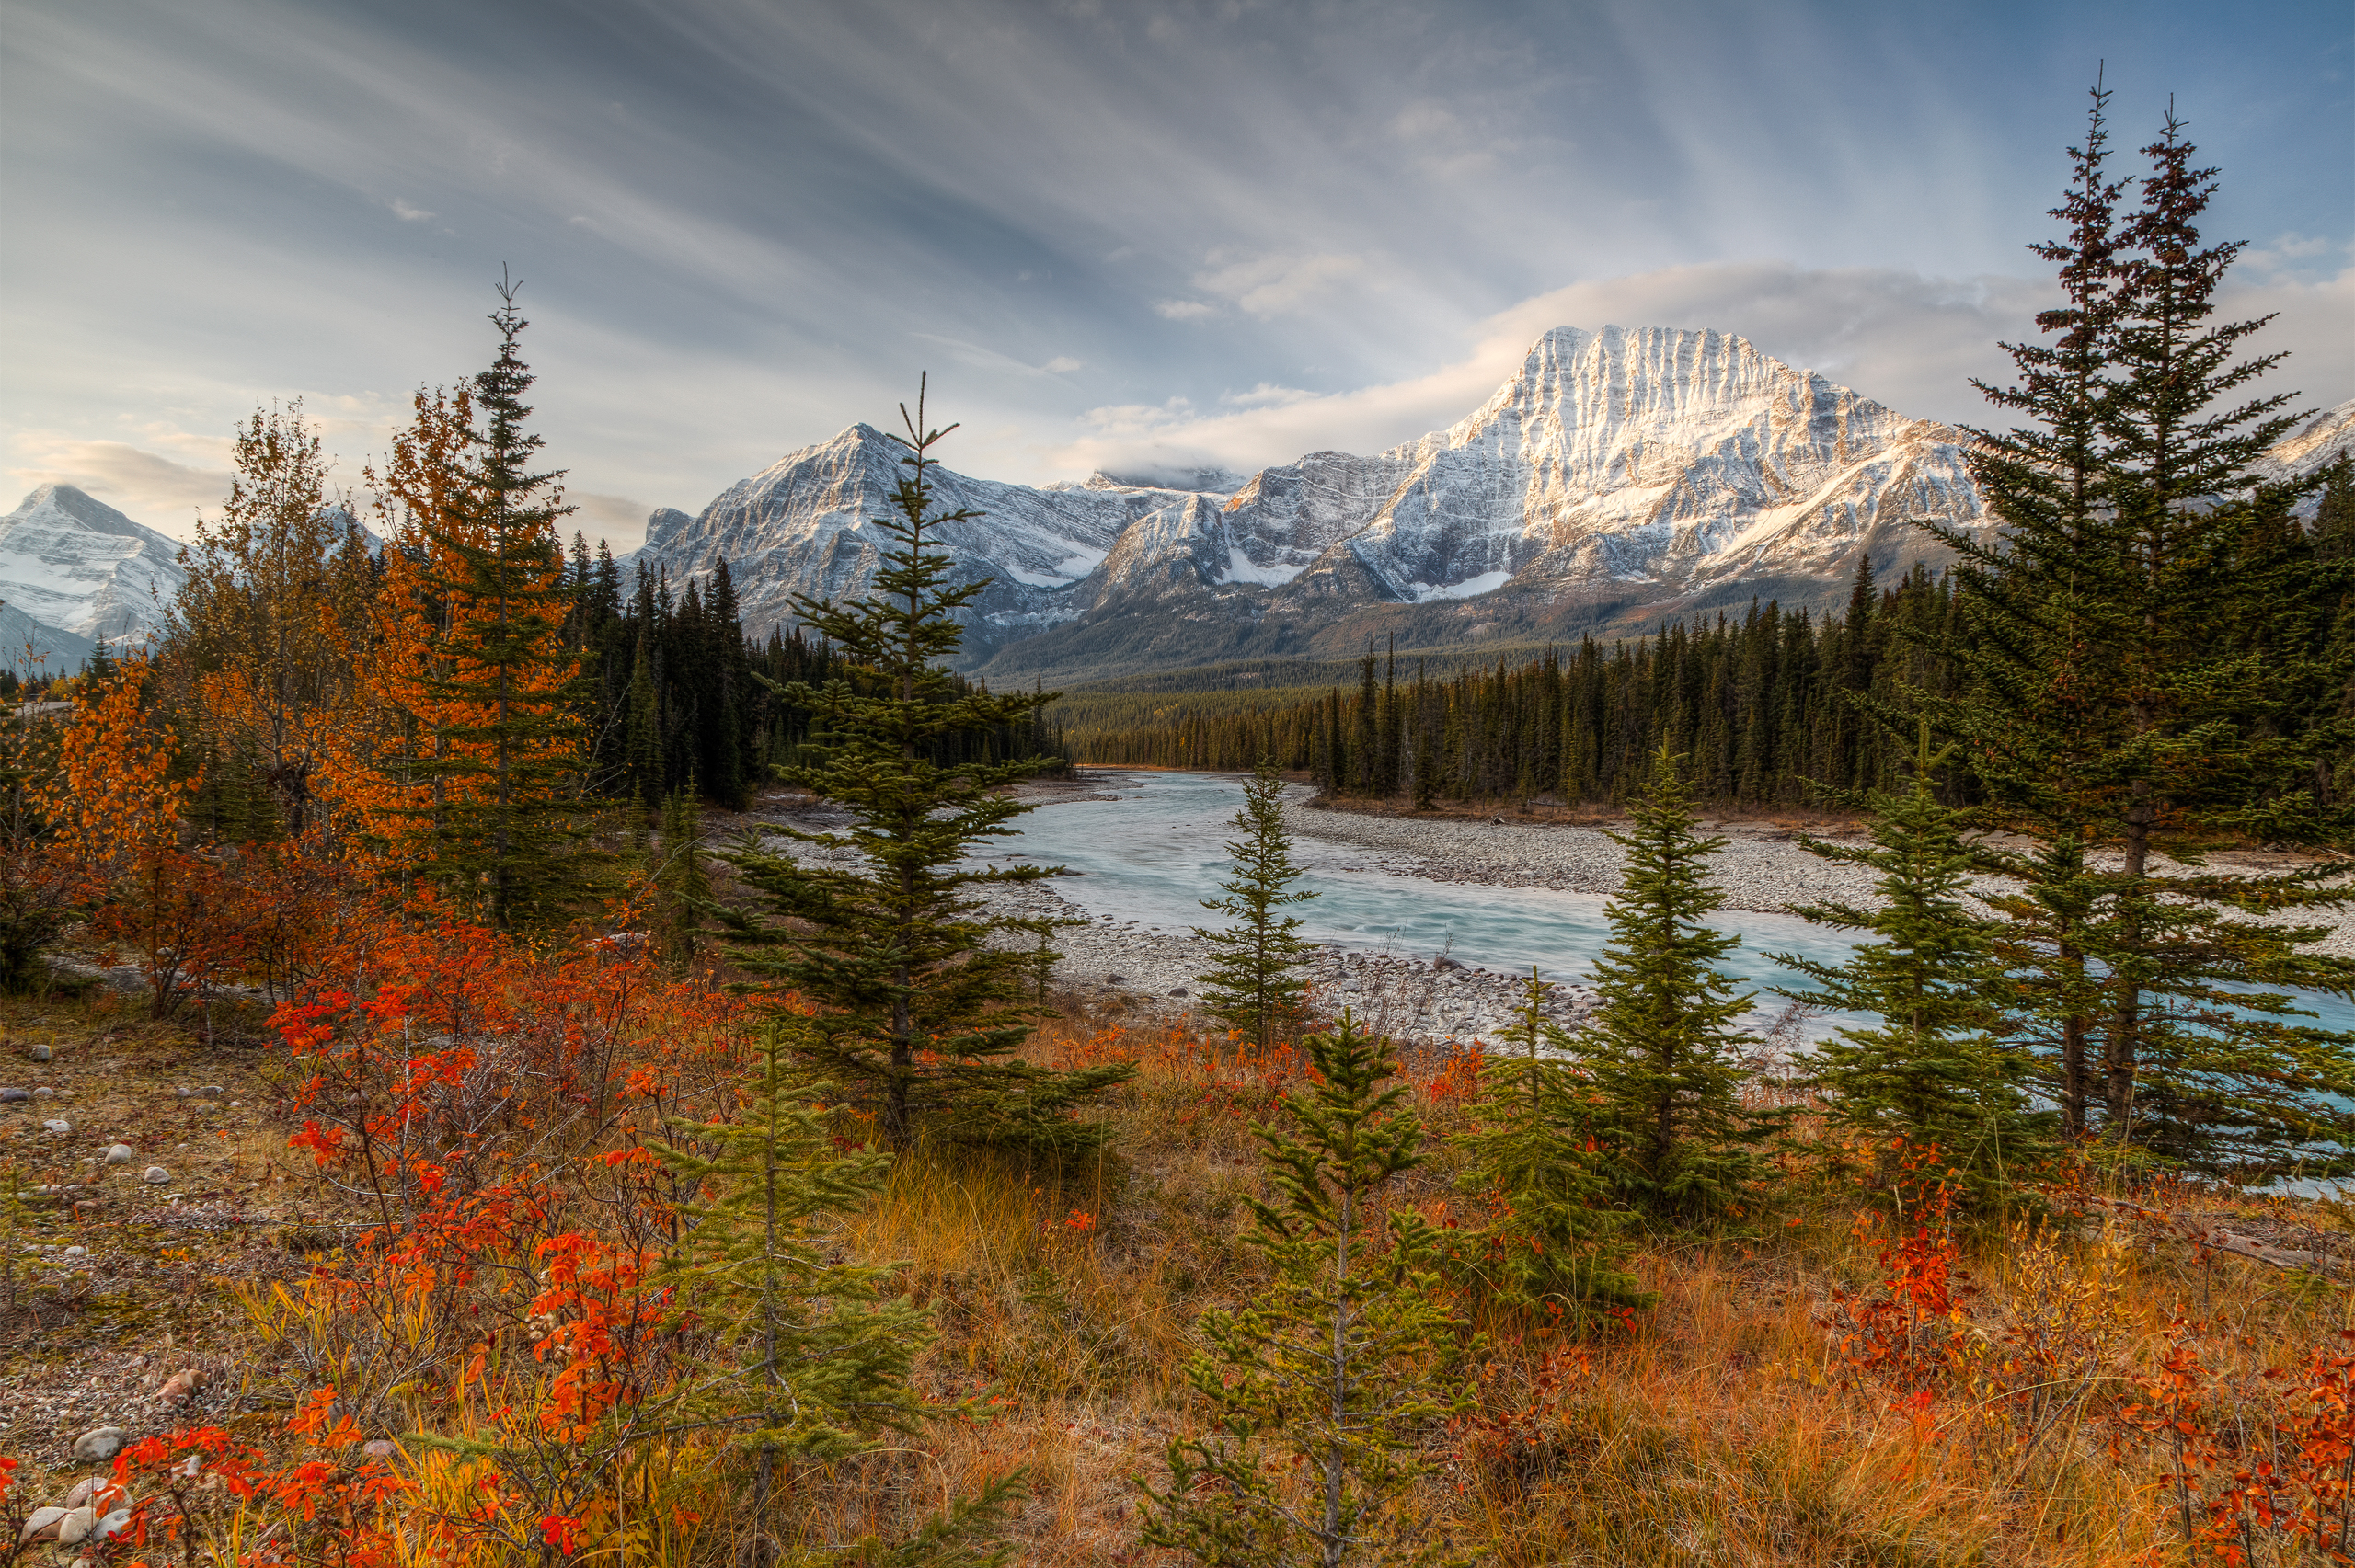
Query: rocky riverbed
point(1156, 970)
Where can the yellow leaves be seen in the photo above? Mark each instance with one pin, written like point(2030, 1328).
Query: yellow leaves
point(112, 794)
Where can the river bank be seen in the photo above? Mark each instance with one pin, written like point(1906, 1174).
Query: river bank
point(1142, 959)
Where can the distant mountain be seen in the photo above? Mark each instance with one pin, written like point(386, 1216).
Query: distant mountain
point(76, 566)
point(2319, 443)
point(1621, 475)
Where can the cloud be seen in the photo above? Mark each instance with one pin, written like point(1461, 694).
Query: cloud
point(142, 484)
point(1267, 395)
point(619, 521)
point(1183, 310)
point(1275, 285)
point(1910, 341)
point(991, 360)
point(409, 215)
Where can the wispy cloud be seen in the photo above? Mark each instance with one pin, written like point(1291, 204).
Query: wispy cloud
point(409, 215)
point(146, 485)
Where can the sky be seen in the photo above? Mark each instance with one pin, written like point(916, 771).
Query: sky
point(1137, 238)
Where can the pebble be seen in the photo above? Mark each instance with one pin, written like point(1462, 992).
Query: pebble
point(42, 1053)
point(377, 1448)
point(179, 1386)
point(156, 1175)
point(98, 1443)
point(15, 1096)
point(41, 1525)
point(57, 1124)
point(121, 1154)
point(76, 1252)
point(44, 1092)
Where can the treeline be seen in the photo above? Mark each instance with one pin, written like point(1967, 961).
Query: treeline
point(679, 699)
point(1767, 707)
point(1761, 706)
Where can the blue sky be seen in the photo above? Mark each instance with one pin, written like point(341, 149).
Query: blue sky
point(1118, 236)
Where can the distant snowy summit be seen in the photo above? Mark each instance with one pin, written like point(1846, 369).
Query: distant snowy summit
point(74, 572)
point(1619, 474)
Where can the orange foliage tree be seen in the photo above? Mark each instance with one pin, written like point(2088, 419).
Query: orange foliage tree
point(115, 804)
point(463, 756)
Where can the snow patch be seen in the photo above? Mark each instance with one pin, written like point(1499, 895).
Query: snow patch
point(1470, 588)
point(1240, 569)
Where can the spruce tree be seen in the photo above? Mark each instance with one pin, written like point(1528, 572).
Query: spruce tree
point(681, 886)
point(1254, 984)
point(2107, 699)
point(1318, 1391)
point(916, 1008)
point(477, 591)
point(1555, 1243)
point(1933, 1070)
point(1661, 1050)
point(814, 1352)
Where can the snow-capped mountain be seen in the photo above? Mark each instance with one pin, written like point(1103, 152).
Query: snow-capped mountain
point(78, 566)
point(806, 525)
point(1620, 475)
point(2319, 443)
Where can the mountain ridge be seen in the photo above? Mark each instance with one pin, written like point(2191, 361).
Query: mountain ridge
point(1620, 472)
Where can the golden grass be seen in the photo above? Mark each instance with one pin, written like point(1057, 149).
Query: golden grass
point(1727, 1425)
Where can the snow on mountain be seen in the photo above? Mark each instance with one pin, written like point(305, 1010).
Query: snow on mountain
point(31, 647)
point(2319, 443)
point(1653, 456)
point(807, 525)
point(1621, 474)
point(77, 565)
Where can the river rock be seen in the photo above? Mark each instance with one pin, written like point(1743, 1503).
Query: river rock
point(180, 1385)
point(98, 1444)
point(42, 1053)
point(15, 1096)
point(121, 1154)
point(41, 1525)
point(156, 1175)
point(57, 1124)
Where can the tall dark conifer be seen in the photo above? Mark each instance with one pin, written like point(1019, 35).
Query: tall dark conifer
point(918, 1013)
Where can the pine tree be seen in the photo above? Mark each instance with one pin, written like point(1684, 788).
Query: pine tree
point(917, 1007)
point(1662, 1048)
point(1319, 1389)
point(1252, 983)
point(1555, 1243)
point(1934, 1070)
point(814, 1352)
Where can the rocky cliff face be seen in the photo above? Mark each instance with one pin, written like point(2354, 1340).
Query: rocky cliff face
point(1620, 474)
point(77, 565)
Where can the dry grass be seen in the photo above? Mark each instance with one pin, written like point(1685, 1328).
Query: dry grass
point(1728, 1425)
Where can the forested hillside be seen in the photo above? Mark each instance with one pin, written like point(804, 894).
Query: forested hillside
point(1774, 708)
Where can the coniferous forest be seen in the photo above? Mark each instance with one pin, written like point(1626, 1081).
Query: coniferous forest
point(429, 1143)
point(1775, 709)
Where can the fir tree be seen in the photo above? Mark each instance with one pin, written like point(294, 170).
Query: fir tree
point(815, 1352)
point(894, 947)
point(1934, 1070)
point(1662, 1048)
point(1252, 983)
point(1555, 1243)
point(1318, 1391)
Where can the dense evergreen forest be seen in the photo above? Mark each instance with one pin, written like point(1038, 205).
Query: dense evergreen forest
point(681, 699)
point(1776, 708)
